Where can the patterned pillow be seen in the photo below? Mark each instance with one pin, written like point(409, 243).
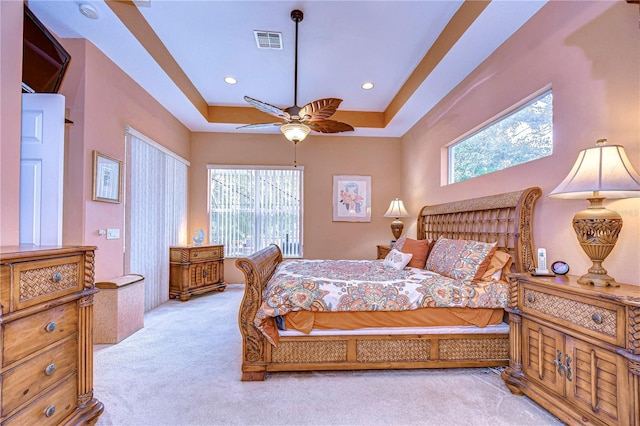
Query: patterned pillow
point(397, 259)
point(460, 259)
point(399, 243)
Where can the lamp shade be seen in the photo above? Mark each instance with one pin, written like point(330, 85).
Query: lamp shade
point(604, 169)
point(396, 209)
point(295, 132)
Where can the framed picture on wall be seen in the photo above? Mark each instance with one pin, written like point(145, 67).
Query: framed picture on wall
point(106, 178)
point(351, 198)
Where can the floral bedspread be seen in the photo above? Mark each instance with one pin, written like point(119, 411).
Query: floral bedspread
point(368, 285)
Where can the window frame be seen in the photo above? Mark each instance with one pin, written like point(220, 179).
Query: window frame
point(447, 157)
point(255, 168)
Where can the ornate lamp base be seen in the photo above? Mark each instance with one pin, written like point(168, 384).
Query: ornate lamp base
point(396, 228)
point(597, 229)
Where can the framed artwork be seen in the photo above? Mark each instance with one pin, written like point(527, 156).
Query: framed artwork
point(351, 198)
point(106, 178)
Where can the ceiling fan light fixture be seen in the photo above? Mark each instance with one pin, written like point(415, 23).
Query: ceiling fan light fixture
point(295, 132)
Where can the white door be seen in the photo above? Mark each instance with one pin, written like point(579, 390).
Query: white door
point(41, 169)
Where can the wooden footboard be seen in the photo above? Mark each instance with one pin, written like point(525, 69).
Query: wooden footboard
point(505, 218)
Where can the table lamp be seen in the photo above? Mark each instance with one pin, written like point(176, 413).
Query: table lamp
point(603, 171)
point(396, 210)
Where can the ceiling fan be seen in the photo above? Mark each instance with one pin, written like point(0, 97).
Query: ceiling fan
point(299, 121)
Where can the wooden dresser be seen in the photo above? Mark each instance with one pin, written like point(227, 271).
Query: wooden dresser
point(46, 359)
point(195, 270)
point(575, 349)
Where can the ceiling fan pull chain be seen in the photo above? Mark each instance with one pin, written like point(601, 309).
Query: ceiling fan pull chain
point(295, 154)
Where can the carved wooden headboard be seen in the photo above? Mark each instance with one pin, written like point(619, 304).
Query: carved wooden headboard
point(503, 218)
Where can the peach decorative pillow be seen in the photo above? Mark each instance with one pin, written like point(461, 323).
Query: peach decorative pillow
point(499, 265)
point(460, 259)
point(397, 259)
point(419, 249)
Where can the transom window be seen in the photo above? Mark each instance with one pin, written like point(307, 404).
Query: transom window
point(524, 134)
point(252, 207)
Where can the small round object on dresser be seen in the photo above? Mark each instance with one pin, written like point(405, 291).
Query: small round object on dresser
point(560, 267)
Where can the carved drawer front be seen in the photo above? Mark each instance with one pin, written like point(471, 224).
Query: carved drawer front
point(206, 253)
point(51, 408)
point(593, 317)
point(26, 335)
point(39, 281)
point(29, 379)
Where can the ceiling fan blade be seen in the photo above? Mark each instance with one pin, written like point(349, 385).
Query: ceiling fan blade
point(268, 108)
point(330, 126)
point(259, 125)
point(320, 109)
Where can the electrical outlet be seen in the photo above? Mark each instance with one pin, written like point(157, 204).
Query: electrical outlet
point(113, 234)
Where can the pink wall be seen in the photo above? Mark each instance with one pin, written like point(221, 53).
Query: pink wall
point(322, 158)
point(102, 100)
point(10, 101)
point(588, 52)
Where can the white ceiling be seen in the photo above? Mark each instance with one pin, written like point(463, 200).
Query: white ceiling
point(342, 44)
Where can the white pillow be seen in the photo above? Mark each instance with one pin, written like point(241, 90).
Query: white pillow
point(397, 259)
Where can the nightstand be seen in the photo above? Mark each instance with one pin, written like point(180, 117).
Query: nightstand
point(383, 251)
point(574, 348)
point(195, 270)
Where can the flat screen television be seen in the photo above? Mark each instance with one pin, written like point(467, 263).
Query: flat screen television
point(44, 60)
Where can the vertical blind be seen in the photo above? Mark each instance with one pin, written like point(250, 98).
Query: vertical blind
point(252, 207)
point(157, 213)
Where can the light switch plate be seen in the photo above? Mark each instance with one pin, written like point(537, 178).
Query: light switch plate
point(113, 234)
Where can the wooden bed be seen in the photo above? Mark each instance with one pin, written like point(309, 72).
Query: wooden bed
point(503, 218)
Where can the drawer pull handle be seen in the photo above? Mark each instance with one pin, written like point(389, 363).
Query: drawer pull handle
point(50, 369)
point(204, 274)
point(597, 318)
point(531, 298)
point(51, 327)
point(50, 411)
point(57, 277)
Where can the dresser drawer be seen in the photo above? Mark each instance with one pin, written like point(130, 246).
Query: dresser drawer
point(50, 409)
point(593, 317)
point(42, 280)
point(29, 379)
point(26, 335)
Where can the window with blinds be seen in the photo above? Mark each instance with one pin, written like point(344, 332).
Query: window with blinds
point(252, 207)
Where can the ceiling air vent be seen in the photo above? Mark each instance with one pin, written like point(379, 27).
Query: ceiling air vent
point(268, 39)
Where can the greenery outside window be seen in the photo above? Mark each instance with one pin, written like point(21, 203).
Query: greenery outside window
point(524, 134)
point(252, 207)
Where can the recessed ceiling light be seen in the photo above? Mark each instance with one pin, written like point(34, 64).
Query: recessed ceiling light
point(230, 80)
point(88, 10)
point(367, 86)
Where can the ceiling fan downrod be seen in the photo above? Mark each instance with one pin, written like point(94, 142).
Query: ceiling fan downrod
point(296, 16)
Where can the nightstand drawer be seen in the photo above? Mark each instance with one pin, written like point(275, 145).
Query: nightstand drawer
point(23, 382)
point(593, 317)
point(26, 335)
point(51, 408)
point(195, 254)
point(43, 280)
point(206, 253)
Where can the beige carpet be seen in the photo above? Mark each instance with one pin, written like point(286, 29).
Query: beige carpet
point(183, 368)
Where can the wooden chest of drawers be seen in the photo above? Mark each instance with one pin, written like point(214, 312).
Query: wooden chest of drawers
point(574, 349)
point(46, 358)
point(195, 270)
